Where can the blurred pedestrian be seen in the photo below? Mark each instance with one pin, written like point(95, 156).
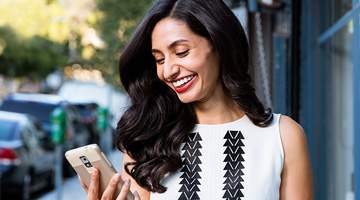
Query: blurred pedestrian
point(196, 129)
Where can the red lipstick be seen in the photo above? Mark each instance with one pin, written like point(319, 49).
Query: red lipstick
point(184, 88)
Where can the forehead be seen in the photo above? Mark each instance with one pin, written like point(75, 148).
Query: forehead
point(169, 30)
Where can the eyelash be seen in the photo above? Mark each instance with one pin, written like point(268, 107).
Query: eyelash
point(183, 53)
point(180, 54)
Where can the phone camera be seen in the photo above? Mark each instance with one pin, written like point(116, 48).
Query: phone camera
point(85, 161)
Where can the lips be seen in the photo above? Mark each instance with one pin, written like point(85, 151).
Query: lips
point(184, 84)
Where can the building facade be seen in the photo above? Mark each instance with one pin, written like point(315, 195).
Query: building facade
point(307, 65)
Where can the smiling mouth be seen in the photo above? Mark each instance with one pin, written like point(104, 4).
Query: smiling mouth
point(183, 81)
point(184, 84)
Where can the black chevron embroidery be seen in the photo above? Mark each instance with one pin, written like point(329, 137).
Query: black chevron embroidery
point(191, 169)
point(234, 166)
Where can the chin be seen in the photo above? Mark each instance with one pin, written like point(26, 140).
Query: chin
point(187, 98)
point(192, 95)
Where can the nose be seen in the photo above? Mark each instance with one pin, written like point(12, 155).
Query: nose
point(171, 70)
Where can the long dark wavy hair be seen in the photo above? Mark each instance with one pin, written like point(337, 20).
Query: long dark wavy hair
point(153, 128)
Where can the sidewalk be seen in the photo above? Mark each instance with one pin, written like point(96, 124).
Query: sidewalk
point(72, 189)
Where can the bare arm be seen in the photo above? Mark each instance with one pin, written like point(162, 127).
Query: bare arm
point(144, 194)
point(296, 178)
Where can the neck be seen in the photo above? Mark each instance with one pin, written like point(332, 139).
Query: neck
point(217, 109)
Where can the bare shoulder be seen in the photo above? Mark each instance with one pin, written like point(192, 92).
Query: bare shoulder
point(294, 141)
point(144, 194)
point(296, 177)
point(292, 134)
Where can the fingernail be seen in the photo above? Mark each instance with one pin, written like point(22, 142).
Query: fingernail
point(136, 193)
point(127, 182)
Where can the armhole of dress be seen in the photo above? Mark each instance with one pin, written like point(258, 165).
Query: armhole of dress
point(281, 146)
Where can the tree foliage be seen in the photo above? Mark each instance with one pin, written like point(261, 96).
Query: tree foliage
point(32, 41)
point(32, 57)
point(35, 35)
point(118, 21)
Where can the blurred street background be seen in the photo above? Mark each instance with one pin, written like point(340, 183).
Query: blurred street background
point(60, 87)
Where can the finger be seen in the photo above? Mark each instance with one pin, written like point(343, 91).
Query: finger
point(136, 195)
point(110, 190)
point(83, 184)
point(124, 190)
point(93, 191)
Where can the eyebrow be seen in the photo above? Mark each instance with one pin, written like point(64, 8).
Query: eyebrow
point(172, 45)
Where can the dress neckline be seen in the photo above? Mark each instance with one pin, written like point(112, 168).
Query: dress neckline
point(239, 120)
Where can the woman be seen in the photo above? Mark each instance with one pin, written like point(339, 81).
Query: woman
point(196, 129)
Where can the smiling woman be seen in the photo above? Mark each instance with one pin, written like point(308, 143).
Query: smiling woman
point(196, 129)
point(183, 60)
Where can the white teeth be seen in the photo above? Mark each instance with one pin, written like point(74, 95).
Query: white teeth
point(182, 81)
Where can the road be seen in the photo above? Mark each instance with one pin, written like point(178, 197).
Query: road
point(72, 189)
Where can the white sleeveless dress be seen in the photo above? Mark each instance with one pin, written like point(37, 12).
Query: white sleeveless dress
point(232, 161)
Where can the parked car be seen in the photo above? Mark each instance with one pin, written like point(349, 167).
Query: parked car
point(104, 95)
point(26, 165)
point(41, 106)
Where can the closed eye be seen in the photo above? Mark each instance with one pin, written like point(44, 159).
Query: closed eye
point(183, 53)
point(159, 61)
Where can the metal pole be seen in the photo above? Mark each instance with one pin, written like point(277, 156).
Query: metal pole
point(108, 135)
point(58, 171)
point(356, 98)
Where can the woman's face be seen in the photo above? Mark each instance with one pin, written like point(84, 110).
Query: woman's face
point(185, 61)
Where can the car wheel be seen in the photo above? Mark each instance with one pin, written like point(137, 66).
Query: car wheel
point(26, 187)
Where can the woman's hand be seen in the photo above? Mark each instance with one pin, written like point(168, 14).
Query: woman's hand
point(93, 192)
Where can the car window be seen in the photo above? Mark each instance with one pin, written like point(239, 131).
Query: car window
point(84, 110)
point(30, 139)
point(8, 130)
point(41, 111)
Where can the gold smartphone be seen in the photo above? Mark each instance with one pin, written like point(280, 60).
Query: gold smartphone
point(84, 159)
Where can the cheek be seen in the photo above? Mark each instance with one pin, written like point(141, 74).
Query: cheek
point(211, 67)
point(199, 61)
point(159, 72)
point(193, 64)
point(201, 67)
